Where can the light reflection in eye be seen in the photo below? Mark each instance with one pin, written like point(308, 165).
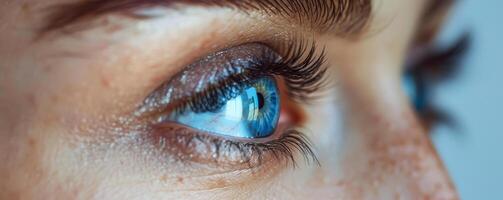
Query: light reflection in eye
point(252, 114)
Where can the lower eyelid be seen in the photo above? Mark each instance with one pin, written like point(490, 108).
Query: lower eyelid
point(191, 148)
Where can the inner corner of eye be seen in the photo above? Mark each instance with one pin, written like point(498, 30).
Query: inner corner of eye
point(255, 110)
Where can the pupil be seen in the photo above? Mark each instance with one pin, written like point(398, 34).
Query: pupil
point(261, 100)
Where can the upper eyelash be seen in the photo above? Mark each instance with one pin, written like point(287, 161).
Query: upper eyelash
point(300, 67)
point(303, 69)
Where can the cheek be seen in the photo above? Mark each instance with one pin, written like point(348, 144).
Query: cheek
point(28, 171)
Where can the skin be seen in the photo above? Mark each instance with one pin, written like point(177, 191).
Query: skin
point(60, 96)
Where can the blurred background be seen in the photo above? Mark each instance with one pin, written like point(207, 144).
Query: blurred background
point(473, 152)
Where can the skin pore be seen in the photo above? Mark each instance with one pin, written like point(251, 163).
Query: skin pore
point(66, 98)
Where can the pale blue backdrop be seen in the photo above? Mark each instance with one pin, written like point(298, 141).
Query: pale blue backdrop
point(474, 153)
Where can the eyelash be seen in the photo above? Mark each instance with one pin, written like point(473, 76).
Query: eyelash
point(250, 154)
point(431, 69)
point(302, 71)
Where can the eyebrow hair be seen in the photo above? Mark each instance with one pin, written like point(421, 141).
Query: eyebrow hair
point(342, 17)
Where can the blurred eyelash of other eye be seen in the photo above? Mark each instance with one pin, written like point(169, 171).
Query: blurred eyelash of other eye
point(430, 68)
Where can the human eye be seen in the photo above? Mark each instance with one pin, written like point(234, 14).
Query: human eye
point(238, 108)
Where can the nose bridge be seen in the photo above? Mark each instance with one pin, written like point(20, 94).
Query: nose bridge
point(403, 160)
point(386, 162)
point(386, 152)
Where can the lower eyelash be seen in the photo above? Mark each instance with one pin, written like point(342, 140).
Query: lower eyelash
point(190, 146)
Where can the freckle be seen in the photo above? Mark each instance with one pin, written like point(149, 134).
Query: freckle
point(32, 142)
point(105, 82)
point(180, 180)
point(47, 69)
point(55, 98)
point(104, 22)
point(26, 7)
point(157, 79)
point(31, 100)
point(113, 28)
point(397, 195)
point(218, 183)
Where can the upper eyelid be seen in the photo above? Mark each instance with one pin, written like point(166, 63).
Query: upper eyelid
point(302, 67)
point(166, 93)
point(342, 17)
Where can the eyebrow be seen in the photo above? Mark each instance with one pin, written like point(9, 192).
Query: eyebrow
point(342, 17)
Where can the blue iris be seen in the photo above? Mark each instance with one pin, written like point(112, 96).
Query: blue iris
point(254, 113)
